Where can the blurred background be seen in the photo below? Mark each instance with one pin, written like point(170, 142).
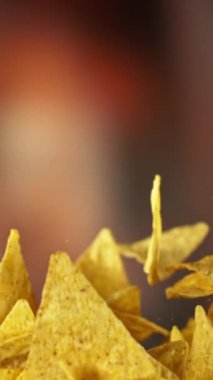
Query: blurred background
point(95, 98)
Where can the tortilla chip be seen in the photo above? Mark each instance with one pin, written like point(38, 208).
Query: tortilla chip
point(14, 279)
point(176, 245)
point(190, 286)
point(102, 265)
point(75, 325)
point(198, 284)
point(19, 321)
point(140, 328)
point(204, 267)
point(200, 363)
point(172, 355)
point(127, 300)
point(153, 254)
point(176, 334)
point(16, 331)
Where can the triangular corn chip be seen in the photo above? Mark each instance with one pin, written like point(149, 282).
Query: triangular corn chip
point(20, 320)
point(102, 265)
point(75, 325)
point(190, 286)
point(139, 327)
point(200, 363)
point(127, 300)
point(176, 334)
point(198, 284)
point(153, 254)
point(14, 279)
point(176, 245)
point(172, 355)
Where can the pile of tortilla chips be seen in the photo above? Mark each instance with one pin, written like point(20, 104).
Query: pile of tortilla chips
point(89, 324)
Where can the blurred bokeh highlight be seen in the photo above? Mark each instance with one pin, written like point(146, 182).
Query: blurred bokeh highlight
point(96, 98)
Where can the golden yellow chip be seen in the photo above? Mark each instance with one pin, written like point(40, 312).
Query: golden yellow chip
point(14, 279)
point(20, 320)
point(16, 331)
point(190, 286)
point(203, 266)
point(200, 363)
point(153, 254)
point(75, 325)
point(102, 265)
point(127, 300)
point(139, 327)
point(197, 284)
point(176, 245)
point(172, 355)
point(176, 334)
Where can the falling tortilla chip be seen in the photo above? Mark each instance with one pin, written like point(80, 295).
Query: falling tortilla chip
point(75, 325)
point(198, 284)
point(176, 334)
point(190, 286)
point(153, 255)
point(176, 245)
point(204, 267)
point(172, 355)
point(14, 279)
point(127, 300)
point(102, 265)
point(200, 363)
point(139, 327)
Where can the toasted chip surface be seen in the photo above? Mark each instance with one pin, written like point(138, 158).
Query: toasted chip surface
point(200, 363)
point(76, 326)
point(14, 279)
point(102, 265)
point(198, 284)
